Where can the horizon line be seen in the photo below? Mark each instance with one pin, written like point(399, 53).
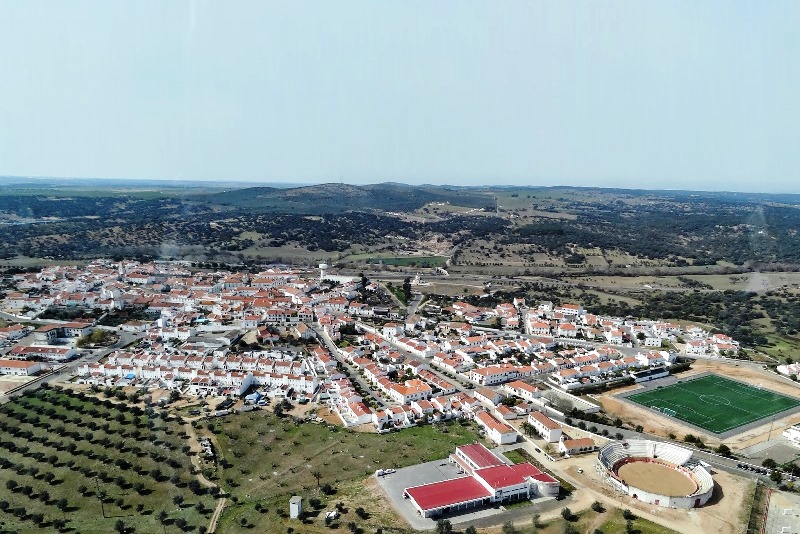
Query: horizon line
point(288, 184)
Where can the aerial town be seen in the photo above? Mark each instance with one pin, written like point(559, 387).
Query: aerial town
point(341, 351)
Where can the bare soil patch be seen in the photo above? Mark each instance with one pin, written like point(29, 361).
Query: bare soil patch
point(658, 478)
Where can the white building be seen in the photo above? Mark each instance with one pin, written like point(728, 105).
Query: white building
point(545, 427)
point(495, 429)
point(793, 434)
point(19, 367)
point(295, 507)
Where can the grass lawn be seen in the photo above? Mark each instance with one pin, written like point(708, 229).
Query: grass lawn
point(779, 346)
point(610, 521)
point(515, 457)
point(62, 450)
point(267, 459)
point(616, 523)
point(715, 403)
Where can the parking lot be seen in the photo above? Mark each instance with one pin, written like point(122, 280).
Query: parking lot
point(783, 516)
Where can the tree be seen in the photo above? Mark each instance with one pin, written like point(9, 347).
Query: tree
point(509, 528)
point(407, 288)
point(723, 450)
point(62, 504)
point(471, 530)
point(628, 515)
point(443, 526)
point(162, 516)
point(317, 475)
point(598, 507)
point(567, 514)
point(769, 463)
point(119, 526)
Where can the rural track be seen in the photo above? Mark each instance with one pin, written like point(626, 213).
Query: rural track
point(212, 523)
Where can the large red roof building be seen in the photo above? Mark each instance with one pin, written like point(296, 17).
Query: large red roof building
point(488, 480)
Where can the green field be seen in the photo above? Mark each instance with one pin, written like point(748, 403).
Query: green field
point(412, 261)
point(267, 459)
point(715, 403)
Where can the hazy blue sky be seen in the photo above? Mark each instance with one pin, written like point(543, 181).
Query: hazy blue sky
point(671, 94)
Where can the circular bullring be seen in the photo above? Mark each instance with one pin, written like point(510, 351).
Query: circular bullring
point(656, 477)
point(657, 473)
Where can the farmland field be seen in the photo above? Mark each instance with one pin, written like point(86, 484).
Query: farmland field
point(414, 261)
point(69, 460)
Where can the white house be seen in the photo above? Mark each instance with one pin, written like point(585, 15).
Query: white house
point(545, 427)
point(576, 446)
point(19, 367)
point(495, 429)
point(523, 390)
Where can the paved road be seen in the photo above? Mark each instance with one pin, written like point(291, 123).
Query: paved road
point(411, 309)
point(353, 371)
point(725, 464)
point(16, 319)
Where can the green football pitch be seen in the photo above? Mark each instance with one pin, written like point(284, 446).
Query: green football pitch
point(714, 403)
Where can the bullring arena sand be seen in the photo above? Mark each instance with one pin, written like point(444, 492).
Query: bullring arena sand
point(663, 426)
point(725, 513)
point(654, 477)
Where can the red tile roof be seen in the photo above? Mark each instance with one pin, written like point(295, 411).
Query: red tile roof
point(480, 455)
point(503, 476)
point(447, 493)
